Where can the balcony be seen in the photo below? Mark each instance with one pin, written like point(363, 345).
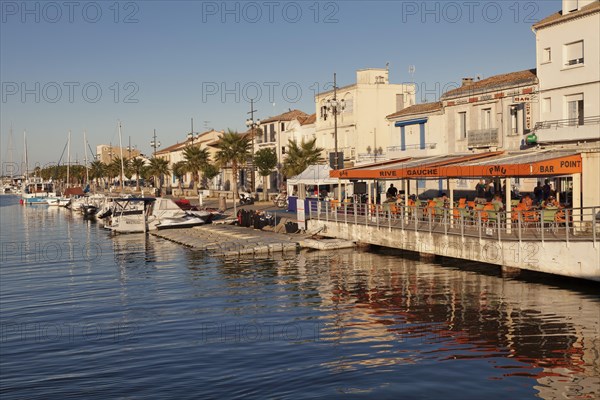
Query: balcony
point(413, 150)
point(483, 138)
point(568, 130)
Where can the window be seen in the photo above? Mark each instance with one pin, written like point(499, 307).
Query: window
point(547, 105)
point(575, 109)
point(486, 118)
point(272, 130)
point(266, 133)
point(282, 149)
point(462, 125)
point(282, 127)
point(514, 119)
point(324, 113)
point(547, 55)
point(573, 53)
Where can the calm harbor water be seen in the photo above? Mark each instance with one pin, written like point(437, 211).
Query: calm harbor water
point(87, 315)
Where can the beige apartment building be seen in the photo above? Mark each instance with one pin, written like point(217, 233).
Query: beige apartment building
point(174, 154)
point(106, 153)
point(495, 113)
point(363, 131)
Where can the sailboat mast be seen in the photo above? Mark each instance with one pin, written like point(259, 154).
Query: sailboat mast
point(10, 155)
point(122, 162)
point(68, 156)
point(85, 160)
point(26, 159)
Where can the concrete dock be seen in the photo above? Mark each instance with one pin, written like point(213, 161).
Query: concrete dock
point(232, 241)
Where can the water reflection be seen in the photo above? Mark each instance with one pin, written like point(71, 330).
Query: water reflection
point(312, 324)
point(412, 311)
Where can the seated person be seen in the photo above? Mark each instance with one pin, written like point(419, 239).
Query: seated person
point(445, 200)
point(527, 201)
point(392, 192)
point(497, 203)
point(551, 202)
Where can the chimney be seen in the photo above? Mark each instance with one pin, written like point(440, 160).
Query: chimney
point(467, 81)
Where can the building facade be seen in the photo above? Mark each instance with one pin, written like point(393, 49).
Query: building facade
point(496, 113)
point(568, 65)
point(418, 131)
point(361, 119)
point(274, 133)
point(106, 153)
point(175, 153)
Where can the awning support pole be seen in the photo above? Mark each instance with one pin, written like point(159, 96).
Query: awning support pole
point(508, 203)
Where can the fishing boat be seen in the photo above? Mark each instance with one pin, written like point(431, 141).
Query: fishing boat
point(36, 190)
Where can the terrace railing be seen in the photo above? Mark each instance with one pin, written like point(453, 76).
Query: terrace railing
point(549, 224)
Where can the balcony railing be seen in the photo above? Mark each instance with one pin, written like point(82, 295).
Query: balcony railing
point(371, 156)
point(562, 123)
point(413, 147)
point(483, 137)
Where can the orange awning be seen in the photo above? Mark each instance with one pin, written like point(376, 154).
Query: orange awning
point(408, 167)
point(493, 164)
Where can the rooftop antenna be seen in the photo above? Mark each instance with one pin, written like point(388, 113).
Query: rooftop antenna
point(411, 71)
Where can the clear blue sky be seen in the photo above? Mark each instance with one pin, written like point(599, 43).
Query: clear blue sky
point(172, 56)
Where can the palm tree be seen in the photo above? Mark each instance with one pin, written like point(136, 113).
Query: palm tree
point(233, 150)
point(265, 160)
point(115, 167)
point(136, 165)
point(97, 170)
point(196, 159)
point(158, 167)
point(299, 157)
point(179, 170)
point(209, 172)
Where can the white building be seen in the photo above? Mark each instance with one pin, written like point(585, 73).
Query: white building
point(275, 132)
point(418, 131)
point(568, 65)
point(362, 124)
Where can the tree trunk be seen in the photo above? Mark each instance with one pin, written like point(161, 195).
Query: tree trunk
point(265, 195)
point(234, 172)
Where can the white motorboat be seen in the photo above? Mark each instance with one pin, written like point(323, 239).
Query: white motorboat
point(187, 221)
point(58, 201)
point(136, 215)
point(129, 215)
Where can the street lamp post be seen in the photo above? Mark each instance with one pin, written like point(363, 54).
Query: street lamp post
point(335, 107)
point(252, 125)
point(190, 136)
point(154, 143)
